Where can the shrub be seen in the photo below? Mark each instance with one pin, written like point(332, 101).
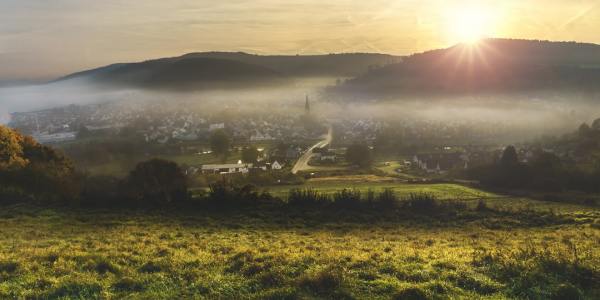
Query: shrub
point(104, 266)
point(347, 198)
point(127, 284)
point(421, 202)
point(150, 267)
point(411, 293)
point(225, 194)
point(8, 267)
point(307, 198)
point(156, 182)
point(566, 291)
point(387, 199)
point(324, 281)
point(370, 198)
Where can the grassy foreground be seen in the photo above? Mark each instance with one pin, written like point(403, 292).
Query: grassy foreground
point(498, 252)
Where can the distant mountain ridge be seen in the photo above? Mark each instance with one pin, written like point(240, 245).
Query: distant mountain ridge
point(493, 65)
point(335, 65)
point(230, 69)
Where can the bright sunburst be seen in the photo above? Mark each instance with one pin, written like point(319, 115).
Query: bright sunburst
point(470, 24)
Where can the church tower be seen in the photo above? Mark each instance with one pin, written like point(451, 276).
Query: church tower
point(307, 106)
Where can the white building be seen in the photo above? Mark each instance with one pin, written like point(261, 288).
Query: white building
point(216, 126)
point(226, 168)
point(276, 166)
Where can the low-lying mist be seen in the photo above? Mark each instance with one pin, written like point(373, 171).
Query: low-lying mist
point(527, 116)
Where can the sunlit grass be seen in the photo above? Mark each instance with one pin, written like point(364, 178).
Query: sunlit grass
point(48, 254)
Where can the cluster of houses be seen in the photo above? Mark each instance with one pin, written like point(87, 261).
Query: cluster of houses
point(157, 123)
point(448, 159)
point(325, 155)
point(440, 162)
point(239, 167)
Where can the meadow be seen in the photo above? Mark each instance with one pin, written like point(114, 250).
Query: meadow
point(502, 248)
point(364, 183)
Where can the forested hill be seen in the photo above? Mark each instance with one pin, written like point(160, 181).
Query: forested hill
point(230, 69)
point(493, 65)
point(335, 65)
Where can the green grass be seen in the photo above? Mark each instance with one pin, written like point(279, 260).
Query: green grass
point(505, 252)
point(441, 191)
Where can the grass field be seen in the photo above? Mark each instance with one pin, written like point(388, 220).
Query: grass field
point(497, 253)
point(330, 185)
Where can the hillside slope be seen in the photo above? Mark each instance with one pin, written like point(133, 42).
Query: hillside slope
point(494, 65)
point(229, 69)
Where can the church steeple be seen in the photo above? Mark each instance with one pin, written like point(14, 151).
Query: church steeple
point(307, 106)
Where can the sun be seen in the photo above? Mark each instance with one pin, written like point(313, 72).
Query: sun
point(470, 24)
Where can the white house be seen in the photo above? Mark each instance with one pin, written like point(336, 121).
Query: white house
point(276, 166)
point(226, 168)
point(213, 127)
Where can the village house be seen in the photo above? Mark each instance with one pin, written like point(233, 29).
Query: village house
point(276, 166)
point(226, 168)
point(328, 156)
point(440, 162)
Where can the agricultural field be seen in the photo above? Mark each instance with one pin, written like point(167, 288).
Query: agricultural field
point(364, 183)
point(507, 248)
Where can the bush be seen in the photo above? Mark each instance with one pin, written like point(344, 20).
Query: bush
point(322, 282)
point(307, 198)
point(411, 293)
point(566, 291)
point(224, 194)
point(387, 199)
point(156, 182)
point(421, 202)
point(347, 198)
point(127, 284)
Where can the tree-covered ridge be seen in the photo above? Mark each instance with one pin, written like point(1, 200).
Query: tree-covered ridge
point(494, 65)
point(230, 69)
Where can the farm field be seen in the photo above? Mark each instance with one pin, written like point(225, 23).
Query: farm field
point(514, 248)
point(329, 185)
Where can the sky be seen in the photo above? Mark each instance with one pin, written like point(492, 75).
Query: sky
point(44, 39)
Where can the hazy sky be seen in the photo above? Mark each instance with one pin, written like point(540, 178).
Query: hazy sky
point(47, 38)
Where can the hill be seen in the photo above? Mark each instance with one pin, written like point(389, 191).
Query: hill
point(183, 73)
point(230, 69)
point(334, 65)
point(493, 65)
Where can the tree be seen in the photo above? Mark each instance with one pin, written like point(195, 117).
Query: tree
point(36, 169)
point(359, 154)
point(509, 157)
point(545, 161)
point(220, 143)
point(585, 130)
point(250, 154)
point(156, 182)
point(596, 124)
point(11, 149)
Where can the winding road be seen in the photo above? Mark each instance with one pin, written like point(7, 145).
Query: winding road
point(302, 163)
